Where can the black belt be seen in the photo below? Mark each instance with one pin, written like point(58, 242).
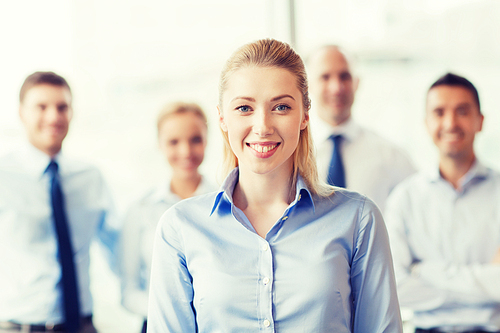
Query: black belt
point(437, 330)
point(9, 325)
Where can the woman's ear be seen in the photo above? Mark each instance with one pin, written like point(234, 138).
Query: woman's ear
point(305, 121)
point(221, 119)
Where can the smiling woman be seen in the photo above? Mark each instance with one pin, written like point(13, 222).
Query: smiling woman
point(182, 138)
point(263, 129)
point(274, 249)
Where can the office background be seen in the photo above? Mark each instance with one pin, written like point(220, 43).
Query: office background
point(125, 59)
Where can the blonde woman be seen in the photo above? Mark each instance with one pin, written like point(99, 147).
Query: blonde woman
point(274, 250)
point(182, 138)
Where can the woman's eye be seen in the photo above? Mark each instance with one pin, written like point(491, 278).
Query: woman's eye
point(282, 107)
point(196, 139)
point(243, 108)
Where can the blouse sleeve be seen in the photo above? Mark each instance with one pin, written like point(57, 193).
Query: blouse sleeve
point(375, 302)
point(171, 290)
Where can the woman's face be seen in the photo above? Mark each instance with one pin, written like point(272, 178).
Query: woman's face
point(263, 114)
point(183, 138)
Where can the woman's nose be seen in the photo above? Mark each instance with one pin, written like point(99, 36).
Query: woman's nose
point(263, 124)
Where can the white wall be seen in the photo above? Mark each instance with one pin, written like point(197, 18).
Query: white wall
point(125, 59)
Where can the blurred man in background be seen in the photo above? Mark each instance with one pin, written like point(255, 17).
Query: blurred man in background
point(51, 207)
point(349, 155)
point(444, 225)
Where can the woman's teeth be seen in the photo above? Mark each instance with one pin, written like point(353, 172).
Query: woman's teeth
point(262, 149)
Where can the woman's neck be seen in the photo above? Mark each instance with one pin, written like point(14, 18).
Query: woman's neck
point(263, 198)
point(184, 187)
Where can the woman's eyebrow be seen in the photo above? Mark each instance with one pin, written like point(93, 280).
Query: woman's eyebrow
point(244, 97)
point(281, 97)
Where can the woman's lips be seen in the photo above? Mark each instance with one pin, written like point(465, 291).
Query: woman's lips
point(264, 150)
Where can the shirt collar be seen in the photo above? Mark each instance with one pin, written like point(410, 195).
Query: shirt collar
point(224, 196)
point(35, 161)
point(226, 190)
point(349, 130)
point(477, 171)
point(163, 193)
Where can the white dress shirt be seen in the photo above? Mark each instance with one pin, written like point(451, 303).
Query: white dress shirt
point(443, 241)
point(136, 245)
point(372, 164)
point(30, 273)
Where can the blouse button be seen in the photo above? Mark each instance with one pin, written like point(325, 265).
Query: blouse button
point(266, 280)
point(267, 323)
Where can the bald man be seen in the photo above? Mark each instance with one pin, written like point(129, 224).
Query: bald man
point(368, 163)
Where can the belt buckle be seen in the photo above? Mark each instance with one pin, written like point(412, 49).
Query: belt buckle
point(49, 327)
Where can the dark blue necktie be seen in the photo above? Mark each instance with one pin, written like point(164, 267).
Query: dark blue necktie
point(336, 174)
point(65, 250)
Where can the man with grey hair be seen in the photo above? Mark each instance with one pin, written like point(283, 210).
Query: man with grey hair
point(349, 155)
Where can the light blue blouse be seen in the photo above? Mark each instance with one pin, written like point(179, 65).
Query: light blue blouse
point(325, 266)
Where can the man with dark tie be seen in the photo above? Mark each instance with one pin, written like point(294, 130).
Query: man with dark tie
point(444, 223)
point(349, 155)
point(51, 207)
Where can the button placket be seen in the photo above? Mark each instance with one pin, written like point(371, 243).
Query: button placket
point(266, 286)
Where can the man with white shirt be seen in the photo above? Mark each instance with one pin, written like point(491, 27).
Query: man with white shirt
point(444, 225)
point(349, 155)
point(51, 207)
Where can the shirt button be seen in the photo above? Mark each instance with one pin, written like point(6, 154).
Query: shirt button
point(266, 280)
point(265, 247)
point(267, 323)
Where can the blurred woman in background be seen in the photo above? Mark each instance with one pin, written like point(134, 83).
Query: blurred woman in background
point(182, 137)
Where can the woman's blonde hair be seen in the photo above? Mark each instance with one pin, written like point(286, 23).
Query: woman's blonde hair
point(174, 108)
point(275, 54)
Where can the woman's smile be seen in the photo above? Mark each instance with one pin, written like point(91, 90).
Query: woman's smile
point(263, 115)
point(264, 149)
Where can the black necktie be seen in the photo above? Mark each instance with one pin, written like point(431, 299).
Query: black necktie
point(336, 174)
point(65, 250)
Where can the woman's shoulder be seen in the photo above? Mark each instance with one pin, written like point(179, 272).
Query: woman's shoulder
point(346, 202)
point(341, 196)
